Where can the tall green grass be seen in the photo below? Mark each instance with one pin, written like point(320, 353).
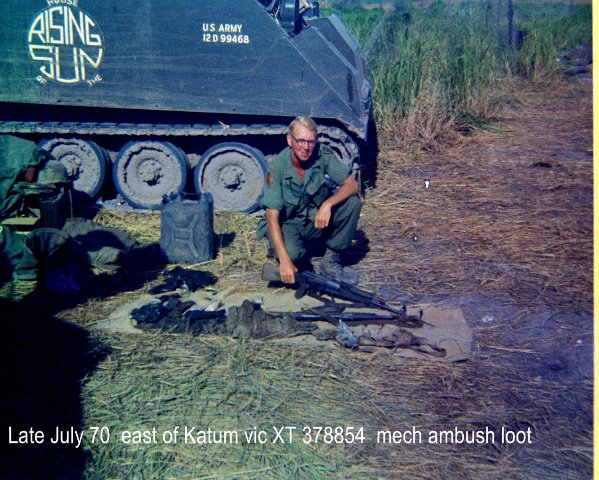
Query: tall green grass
point(548, 32)
point(438, 68)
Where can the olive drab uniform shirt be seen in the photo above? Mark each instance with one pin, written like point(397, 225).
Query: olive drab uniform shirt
point(297, 200)
point(16, 156)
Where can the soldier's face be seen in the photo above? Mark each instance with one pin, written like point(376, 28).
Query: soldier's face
point(302, 143)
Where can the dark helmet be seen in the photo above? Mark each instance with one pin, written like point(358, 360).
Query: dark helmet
point(52, 173)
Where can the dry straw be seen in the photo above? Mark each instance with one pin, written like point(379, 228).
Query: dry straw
point(501, 218)
point(505, 215)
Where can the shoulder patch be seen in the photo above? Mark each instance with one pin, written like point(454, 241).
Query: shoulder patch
point(270, 177)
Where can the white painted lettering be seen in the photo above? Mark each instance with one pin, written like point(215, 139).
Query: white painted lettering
point(67, 43)
point(74, 3)
point(230, 28)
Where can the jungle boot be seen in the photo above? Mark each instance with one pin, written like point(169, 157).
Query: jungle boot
point(330, 266)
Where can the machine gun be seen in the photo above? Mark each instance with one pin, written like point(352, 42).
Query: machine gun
point(318, 285)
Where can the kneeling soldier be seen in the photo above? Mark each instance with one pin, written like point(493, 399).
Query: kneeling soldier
point(300, 207)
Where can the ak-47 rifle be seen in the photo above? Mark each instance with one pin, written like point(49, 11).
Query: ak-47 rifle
point(316, 286)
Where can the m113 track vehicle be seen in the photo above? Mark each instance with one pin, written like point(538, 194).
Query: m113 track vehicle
point(177, 95)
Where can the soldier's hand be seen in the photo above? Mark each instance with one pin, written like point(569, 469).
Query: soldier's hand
point(323, 216)
point(287, 271)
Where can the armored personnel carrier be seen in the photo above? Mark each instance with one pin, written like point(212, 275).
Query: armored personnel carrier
point(168, 97)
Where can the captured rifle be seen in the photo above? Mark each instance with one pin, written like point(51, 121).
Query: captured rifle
point(318, 285)
point(335, 314)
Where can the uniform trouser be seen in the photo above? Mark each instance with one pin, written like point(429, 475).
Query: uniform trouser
point(15, 257)
point(337, 236)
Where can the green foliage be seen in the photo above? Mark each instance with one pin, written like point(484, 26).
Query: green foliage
point(546, 37)
point(360, 21)
point(437, 68)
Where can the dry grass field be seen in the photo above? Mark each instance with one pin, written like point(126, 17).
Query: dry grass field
point(483, 205)
point(502, 229)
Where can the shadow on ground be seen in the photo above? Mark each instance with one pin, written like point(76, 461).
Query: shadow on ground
point(44, 362)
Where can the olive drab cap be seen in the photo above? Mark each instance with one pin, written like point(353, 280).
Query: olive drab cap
point(52, 173)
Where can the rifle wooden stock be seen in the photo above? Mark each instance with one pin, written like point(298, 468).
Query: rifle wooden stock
point(270, 273)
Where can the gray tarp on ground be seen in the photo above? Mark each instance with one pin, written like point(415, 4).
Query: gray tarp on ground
point(105, 246)
point(445, 327)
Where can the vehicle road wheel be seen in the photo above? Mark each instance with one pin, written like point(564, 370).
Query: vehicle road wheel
point(342, 145)
point(234, 174)
point(148, 174)
point(84, 161)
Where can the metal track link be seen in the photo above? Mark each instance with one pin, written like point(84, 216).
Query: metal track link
point(132, 129)
point(336, 138)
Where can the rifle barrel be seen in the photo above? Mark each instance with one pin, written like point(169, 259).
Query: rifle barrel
point(324, 285)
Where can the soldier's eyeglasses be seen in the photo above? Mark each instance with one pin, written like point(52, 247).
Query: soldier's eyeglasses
point(303, 143)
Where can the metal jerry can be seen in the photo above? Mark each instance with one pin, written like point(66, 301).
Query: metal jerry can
point(187, 229)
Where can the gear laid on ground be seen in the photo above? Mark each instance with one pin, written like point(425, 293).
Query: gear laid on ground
point(250, 320)
point(170, 314)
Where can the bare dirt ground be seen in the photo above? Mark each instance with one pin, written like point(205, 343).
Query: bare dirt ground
point(499, 225)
